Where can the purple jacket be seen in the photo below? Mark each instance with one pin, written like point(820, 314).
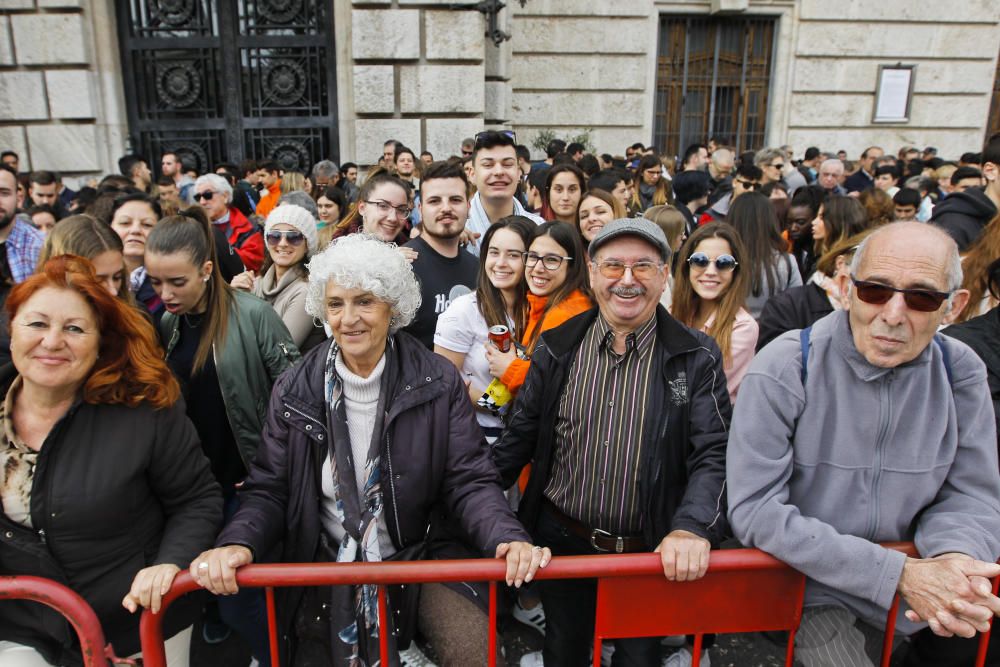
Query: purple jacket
point(437, 465)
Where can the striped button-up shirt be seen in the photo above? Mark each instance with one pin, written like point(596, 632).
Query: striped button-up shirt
point(599, 429)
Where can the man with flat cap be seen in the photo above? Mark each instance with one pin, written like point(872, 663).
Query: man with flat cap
point(623, 417)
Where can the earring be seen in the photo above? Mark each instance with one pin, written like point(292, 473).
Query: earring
point(205, 279)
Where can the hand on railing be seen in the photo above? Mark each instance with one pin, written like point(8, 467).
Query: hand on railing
point(684, 556)
point(523, 561)
point(951, 593)
point(149, 586)
point(215, 569)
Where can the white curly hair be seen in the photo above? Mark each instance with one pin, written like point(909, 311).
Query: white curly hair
point(365, 262)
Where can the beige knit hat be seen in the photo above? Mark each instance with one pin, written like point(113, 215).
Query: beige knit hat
point(297, 217)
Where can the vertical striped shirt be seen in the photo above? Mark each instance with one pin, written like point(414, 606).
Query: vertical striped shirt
point(599, 429)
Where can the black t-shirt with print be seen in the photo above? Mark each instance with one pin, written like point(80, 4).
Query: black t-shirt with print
point(442, 279)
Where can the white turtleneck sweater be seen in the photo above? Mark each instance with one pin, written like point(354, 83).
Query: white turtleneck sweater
point(361, 405)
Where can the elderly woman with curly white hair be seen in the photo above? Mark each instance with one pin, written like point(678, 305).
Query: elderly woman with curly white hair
point(372, 452)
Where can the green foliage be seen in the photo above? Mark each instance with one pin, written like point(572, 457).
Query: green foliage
point(542, 139)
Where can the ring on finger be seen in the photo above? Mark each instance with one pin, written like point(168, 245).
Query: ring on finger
point(203, 565)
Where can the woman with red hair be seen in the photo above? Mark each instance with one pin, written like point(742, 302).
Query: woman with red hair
point(103, 485)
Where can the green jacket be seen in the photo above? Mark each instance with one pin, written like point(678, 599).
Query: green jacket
point(258, 349)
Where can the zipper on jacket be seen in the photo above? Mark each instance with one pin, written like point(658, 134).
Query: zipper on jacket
point(229, 420)
point(299, 412)
point(885, 404)
point(392, 491)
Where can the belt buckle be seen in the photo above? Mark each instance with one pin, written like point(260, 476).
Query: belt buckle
point(597, 532)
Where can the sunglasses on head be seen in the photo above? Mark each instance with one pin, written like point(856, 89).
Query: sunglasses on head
point(722, 262)
point(207, 195)
point(274, 237)
point(510, 134)
point(921, 300)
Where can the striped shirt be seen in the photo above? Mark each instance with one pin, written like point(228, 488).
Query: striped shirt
point(599, 429)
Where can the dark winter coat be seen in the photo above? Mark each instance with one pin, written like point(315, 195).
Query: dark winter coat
point(683, 467)
point(115, 490)
point(795, 308)
point(434, 460)
point(982, 334)
point(963, 215)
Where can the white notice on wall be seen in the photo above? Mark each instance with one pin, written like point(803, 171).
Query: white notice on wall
point(892, 101)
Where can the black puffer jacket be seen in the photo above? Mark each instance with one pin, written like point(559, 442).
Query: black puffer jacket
point(116, 489)
point(434, 459)
point(963, 215)
point(682, 483)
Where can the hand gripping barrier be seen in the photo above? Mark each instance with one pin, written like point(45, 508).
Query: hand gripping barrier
point(745, 590)
point(72, 606)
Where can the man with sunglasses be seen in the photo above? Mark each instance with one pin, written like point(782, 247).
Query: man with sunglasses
point(623, 416)
point(214, 194)
point(866, 428)
point(748, 178)
point(496, 174)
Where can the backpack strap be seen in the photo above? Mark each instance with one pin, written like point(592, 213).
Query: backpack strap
point(804, 342)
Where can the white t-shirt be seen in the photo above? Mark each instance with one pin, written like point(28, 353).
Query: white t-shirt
point(461, 328)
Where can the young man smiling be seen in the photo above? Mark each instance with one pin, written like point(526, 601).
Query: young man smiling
point(496, 177)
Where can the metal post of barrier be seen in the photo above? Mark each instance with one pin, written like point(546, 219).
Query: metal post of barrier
point(272, 627)
point(383, 627)
point(984, 638)
point(491, 642)
point(70, 605)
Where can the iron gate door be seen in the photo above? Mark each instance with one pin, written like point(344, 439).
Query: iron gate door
point(713, 81)
point(225, 80)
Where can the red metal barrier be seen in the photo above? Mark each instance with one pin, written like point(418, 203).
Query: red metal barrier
point(770, 590)
point(69, 604)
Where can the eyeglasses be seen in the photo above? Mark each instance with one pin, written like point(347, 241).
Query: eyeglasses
point(748, 185)
point(921, 300)
point(206, 195)
point(722, 262)
point(612, 268)
point(550, 262)
point(480, 136)
point(385, 207)
point(274, 237)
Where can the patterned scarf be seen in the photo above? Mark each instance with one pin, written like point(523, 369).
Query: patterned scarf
point(354, 609)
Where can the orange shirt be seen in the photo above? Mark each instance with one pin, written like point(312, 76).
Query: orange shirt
point(574, 304)
point(270, 200)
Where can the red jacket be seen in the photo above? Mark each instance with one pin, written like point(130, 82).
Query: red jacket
point(246, 239)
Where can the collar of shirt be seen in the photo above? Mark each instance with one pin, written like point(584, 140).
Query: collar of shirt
point(224, 220)
point(7, 417)
point(640, 339)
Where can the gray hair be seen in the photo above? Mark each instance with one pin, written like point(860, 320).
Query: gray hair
point(953, 271)
point(324, 168)
point(765, 155)
point(722, 156)
point(217, 183)
point(833, 161)
point(300, 198)
point(365, 262)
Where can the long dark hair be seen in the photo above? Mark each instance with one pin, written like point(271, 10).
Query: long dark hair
point(576, 272)
point(842, 217)
point(686, 301)
point(180, 233)
point(664, 191)
point(550, 176)
point(489, 299)
point(754, 219)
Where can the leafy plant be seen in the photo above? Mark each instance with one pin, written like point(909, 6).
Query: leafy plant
point(543, 137)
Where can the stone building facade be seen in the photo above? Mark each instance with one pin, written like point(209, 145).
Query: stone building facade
point(424, 73)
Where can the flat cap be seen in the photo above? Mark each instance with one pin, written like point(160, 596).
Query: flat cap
point(638, 227)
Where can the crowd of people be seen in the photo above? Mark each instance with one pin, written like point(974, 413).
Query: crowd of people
point(485, 356)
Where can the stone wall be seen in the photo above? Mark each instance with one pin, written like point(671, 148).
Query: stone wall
point(418, 74)
point(580, 67)
point(54, 96)
point(838, 48)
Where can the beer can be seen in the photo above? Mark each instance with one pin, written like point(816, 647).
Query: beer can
point(500, 337)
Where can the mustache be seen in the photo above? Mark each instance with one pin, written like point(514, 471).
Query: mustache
point(622, 291)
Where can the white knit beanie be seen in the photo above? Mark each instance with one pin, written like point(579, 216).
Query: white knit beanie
point(297, 217)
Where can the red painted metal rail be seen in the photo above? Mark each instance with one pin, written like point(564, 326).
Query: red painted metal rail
point(745, 590)
point(69, 604)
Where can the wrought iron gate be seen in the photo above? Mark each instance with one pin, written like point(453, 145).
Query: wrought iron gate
point(712, 80)
point(224, 80)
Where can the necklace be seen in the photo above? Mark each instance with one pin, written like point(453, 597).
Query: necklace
point(192, 321)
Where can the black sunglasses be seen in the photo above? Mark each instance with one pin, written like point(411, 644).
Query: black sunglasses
point(722, 262)
point(273, 238)
point(748, 185)
point(207, 195)
point(921, 300)
point(489, 134)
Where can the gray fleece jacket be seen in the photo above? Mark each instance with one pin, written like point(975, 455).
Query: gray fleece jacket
point(817, 475)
